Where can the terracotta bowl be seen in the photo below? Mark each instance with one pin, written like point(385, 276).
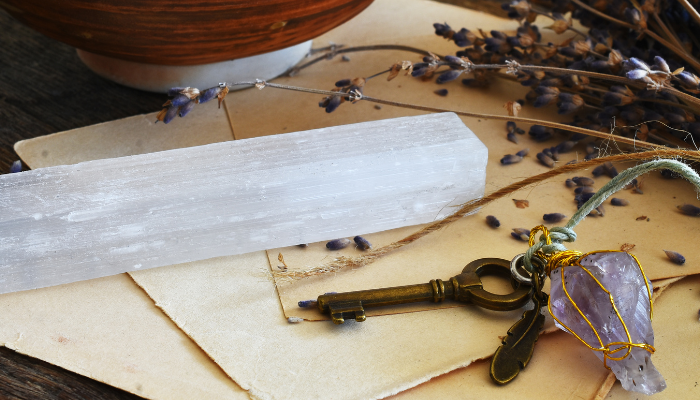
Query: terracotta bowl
point(182, 32)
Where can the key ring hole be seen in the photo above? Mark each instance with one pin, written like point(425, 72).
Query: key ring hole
point(517, 269)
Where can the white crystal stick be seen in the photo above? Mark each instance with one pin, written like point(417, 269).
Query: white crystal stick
point(69, 223)
point(620, 274)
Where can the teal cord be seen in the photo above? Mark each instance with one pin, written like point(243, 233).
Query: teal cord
point(567, 234)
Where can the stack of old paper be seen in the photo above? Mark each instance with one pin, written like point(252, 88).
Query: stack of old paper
point(218, 328)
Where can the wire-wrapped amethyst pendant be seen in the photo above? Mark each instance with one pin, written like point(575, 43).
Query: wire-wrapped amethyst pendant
point(604, 299)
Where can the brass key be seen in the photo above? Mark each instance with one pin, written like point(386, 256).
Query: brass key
point(465, 287)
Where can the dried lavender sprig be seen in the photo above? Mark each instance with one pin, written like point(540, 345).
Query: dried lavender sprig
point(354, 96)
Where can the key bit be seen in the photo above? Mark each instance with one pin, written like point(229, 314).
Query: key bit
point(465, 287)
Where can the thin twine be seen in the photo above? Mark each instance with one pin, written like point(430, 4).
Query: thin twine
point(342, 263)
point(552, 243)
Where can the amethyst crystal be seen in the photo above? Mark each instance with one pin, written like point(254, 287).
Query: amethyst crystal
point(619, 273)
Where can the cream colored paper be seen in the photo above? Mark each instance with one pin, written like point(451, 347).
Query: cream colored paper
point(109, 330)
point(232, 311)
point(270, 111)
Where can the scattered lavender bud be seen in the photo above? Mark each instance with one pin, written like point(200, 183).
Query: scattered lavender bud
point(675, 257)
point(332, 104)
point(16, 167)
point(519, 131)
point(345, 58)
point(598, 171)
point(584, 189)
point(668, 174)
point(338, 244)
point(441, 92)
point(553, 217)
point(619, 202)
point(209, 94)
point(632, 184)
point(545, 160)
point(377, 107)
point(565, 147)
point(492, 221)
point(510, 159)
point(601, 210)
point(510, 126)
point(307, 303)
point(343, 83)
point(569, 183)
point(582, 198)
point(610, 170)
point(294, 320)
point(689, 209)
point(511, 137)
point(303, 245)
point(522, 153)
point(517, 236)
point(362, 243)
point(583, 181)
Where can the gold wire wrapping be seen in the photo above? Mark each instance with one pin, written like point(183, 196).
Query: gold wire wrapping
point(567, 258)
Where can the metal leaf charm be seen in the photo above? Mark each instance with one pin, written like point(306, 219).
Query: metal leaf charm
point(518, 344)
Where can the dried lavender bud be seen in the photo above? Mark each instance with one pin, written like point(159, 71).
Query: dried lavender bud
point(689, 209)
point(582, 198)
point(601, 210)
point(619, 202)
point(343, 83)
point(16, 167)
point(441, 29)
point(184, 110)
point(509, 159)
point(303, 245)
point(565, 147)
point(209, 94)
point(675, 257)
point(553, 217)
point(307, 303)
point(598, 171)
point(180, 100)
point(583, 181)
point(345, 58)
point(172, 92)
point(569, 183)
point(448, 76)
point(545, 160)
point(584, 189)
point(661, 64)
point(492, 221)
point(170, 114)
point(540, 133)
point(377, 107)
point(522, 237)
point(362, 243)
point(519, 131)
point(453, 59)
point(511, 137)
point(632, 184)
point(610, 170)
point(441, 92)
point(332, 103)
point(522, 153)
point(338, 244)
point(668, 174)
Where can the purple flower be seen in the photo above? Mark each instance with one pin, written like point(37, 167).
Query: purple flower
point(333, 103)
point(179, 100)
point(448, 76)
point(170, 114)
point(184, 110)
point(16, 167)
point(209, 94)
